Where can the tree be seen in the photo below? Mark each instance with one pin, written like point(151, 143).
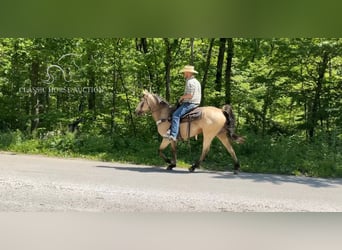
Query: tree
point(276, 86)
point(228, 73)
point(219, 65)
point(206, 70)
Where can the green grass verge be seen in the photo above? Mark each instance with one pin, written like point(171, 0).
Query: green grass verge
point(281, 155)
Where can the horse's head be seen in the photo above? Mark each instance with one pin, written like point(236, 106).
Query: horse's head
point(150, 102)
point(145, 104)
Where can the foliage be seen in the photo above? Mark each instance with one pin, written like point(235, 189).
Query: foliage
point(283, 155)
point(77, 97)
point(291, 155)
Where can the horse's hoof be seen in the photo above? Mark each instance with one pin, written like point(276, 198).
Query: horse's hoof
point(192, 168)
point(236, 171)
point(171, 166)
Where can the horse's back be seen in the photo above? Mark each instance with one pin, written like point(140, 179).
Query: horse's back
point(211, 123)
point(212, 118)
point(213, 113)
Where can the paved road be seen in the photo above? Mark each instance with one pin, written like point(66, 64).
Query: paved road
point(37, 183)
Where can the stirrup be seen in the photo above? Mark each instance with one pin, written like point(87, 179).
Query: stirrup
point(172, 138)
point(168, 134)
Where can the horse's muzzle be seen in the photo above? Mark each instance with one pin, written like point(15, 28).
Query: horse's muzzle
point(139, 112)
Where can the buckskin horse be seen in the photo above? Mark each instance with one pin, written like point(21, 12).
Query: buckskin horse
point(211, 121)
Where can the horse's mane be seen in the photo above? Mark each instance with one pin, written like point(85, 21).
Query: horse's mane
point(160, 100)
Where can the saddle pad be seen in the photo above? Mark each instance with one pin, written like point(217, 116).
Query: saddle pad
point(194, 114)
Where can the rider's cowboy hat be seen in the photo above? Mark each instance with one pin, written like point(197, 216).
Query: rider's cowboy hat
point(189, 68)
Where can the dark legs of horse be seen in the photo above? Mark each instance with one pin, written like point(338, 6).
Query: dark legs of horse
point(205, 149)
point(163, 145)
point(225, 141)
point(206, 145)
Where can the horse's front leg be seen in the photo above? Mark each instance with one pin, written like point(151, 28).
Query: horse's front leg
point(163, 145)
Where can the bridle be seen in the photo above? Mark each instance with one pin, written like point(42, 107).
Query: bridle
point(149, 106)
point(145, 100)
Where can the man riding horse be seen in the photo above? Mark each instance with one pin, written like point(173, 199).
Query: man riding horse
point(210, 121)
point(189, 101)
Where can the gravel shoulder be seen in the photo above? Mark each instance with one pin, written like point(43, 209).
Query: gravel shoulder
point(37, 183)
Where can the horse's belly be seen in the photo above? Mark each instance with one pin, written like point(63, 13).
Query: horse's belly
point(194, 130)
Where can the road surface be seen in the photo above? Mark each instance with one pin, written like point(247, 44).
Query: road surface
point(30, 183)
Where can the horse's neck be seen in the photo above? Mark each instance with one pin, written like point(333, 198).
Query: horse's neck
point(162, 113)
point(165, 113)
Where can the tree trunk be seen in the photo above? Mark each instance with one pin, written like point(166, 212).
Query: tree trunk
point(154, 64)
point(192, 40)
point(35, 104)
point(144, 49)
point(128, 102)
point(114, 92)
point(265, 108)
point(219, 66)
point(144, 45)
point(167, 62)
point(91, 97)
point(314, 114)
point(124, 87)
point(141, 45)
point(91, 85)
point(113, 109)
point(206, 70)
point(228, 75)
point(256, 44)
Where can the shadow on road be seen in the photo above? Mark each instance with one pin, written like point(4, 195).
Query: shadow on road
point(280, 179)
point(262, 178)
point(143, 169)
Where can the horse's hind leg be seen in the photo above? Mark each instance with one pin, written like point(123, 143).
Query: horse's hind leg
point(225, 141)
point(207, 139)
point(163, 145)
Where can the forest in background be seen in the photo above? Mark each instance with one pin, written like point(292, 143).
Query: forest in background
point(77, 96)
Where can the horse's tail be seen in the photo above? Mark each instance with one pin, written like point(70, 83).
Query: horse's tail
point(230, 124)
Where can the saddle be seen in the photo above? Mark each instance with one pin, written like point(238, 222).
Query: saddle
point(192, 115)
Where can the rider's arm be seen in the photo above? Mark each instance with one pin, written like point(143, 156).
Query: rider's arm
point(185, 96)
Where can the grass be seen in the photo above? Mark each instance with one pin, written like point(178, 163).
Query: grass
point(277, 155)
